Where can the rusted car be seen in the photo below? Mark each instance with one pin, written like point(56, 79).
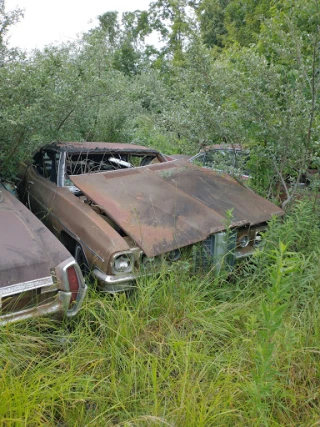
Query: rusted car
point(234, 160)
point(224, 158)
point(123, 210)
point(38, 276)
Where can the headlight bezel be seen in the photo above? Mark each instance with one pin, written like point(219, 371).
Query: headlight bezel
point(244, 240)
point(251, 237)
point(123, 257)
point(259, 233)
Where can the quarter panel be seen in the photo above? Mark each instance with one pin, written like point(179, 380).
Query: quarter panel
point(66, 212)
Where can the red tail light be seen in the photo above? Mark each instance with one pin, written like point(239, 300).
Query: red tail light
point(73, 283)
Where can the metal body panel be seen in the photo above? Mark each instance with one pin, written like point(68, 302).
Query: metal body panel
point(143, 207)
point(92, 147)
point(62, 211)
point(28, 250)
point(172, 205)
point(222, 194)
point(33, 266)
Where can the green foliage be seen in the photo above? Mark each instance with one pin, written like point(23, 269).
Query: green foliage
point(201, 351)
point(243, 19)
point(180, 351)
point(7, 19)
point(110, 26)
point(171, 18)
point(211, 15)
point(60, 96)
point(264, 385)
point(264, 96)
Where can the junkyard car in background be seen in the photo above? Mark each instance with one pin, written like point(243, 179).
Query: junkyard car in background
point(234, 160)
point(38, 276)
point(225, 159)
point(122, 208)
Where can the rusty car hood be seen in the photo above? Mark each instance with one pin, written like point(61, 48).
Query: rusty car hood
point(170, 205)
point(28, 250)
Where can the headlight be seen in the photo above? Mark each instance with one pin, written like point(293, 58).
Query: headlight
point(122, 263)
point(258, 239)
point(174, 255)
point(244, 241)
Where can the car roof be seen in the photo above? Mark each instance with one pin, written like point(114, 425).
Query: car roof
point(98, 146)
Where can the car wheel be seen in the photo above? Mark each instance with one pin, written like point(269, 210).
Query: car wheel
point(81, 259)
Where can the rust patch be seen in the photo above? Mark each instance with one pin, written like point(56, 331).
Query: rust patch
point(165, 211)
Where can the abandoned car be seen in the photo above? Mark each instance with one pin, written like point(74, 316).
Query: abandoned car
point(124, 210)
point(224, 158)
point(38, 276)
point(234, 160)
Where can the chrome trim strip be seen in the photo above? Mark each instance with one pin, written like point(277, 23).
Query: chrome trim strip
point(59, 305)
point(74, 309)
point(25, 286)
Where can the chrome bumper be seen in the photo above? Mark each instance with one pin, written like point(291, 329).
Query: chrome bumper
point(113, 283)
point(109, 283)
point(59, 305)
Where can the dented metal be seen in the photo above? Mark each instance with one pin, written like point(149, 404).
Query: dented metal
point(124, 200)
point(175, 206)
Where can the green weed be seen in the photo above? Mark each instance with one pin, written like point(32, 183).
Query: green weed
point(182, 350)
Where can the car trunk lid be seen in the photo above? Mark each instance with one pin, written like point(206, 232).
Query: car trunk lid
point(27, 249)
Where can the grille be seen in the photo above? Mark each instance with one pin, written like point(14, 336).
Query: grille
point(217, 251)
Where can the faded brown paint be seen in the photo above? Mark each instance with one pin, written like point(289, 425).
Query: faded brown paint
point(233, 147)
point(27, 248)
point(172, 205)
point(33, 267)
point(80, 147)
point(154, 208)
point(63, 212)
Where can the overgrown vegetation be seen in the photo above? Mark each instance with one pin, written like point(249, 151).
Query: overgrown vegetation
point(226, 71)
point(181, 351)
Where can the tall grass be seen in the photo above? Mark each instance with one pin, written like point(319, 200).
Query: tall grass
point(181, 350)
